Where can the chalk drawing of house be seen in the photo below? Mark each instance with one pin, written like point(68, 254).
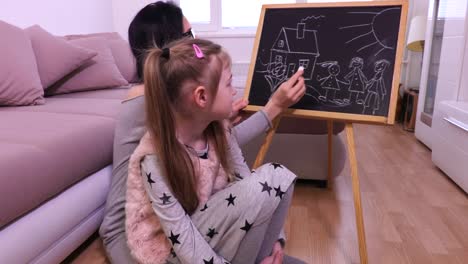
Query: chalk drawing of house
point(295, 47)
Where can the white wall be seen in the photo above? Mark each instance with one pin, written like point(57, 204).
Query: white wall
point(124, 11)
point(240, 46)
point(60, 17)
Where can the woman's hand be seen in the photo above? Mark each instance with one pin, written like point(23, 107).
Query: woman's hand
point(289, 93)
point(276, 257)
point(237, 106)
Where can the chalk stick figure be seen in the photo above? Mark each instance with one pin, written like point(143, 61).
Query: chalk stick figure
point(375, 87)
point(330, 83)
point(357, 81)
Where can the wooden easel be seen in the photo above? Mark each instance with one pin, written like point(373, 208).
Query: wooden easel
point(354, 175)
point(348, 117)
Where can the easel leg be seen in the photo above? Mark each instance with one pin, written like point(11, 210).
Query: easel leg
point(356, 193)
point(266, 144)
point(330, 154)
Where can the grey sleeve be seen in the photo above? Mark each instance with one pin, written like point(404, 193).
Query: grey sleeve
point(187, 242)
point(252, 127)
point(129, 129)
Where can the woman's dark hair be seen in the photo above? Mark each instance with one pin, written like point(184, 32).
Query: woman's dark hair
point(155, 25)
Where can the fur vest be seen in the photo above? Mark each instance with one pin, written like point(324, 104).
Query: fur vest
point(145, 237)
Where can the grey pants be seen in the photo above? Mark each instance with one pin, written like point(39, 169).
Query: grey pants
point(256, 245)
point(251, 247)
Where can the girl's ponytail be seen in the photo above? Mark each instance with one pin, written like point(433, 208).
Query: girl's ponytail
point(175, 161)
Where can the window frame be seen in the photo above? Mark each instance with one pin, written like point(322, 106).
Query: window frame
point(215, 27)
point(304, 63)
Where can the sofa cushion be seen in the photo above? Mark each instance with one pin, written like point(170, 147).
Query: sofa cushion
point(78, 106)
point(55, 56)
point(99, 72)
point(19, 79)
point(119, 93)
point(106, 35)
point(124, 59)
point(121, 51)
point(44, 151)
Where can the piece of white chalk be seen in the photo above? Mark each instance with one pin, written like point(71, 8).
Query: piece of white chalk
point(301, 68)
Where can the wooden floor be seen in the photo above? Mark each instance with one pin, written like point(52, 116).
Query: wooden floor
point(413, 213)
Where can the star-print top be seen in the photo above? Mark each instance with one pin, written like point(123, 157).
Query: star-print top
point(186, 241)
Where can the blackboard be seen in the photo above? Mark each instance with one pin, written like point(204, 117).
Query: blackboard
point(351, 53)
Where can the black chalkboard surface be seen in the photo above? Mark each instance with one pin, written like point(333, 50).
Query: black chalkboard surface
point(351, 53)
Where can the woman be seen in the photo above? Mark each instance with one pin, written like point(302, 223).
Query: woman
point(156, 25)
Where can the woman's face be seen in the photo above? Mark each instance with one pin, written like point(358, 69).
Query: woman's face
point(186, 25)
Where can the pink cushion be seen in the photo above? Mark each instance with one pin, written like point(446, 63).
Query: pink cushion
point(124, 59)
point(97, 73)
point(55, 57)
point(121, 51)
point(19, 80)
point(106, 35)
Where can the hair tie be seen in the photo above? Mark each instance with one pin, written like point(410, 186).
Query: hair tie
point(198, 52)
point(165, 53)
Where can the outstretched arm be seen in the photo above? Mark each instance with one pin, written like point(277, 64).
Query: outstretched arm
point(289, 93)
point(321, 79)
point(347, 83)
point(363, 76)
point(384, 90)
point(252, 127)
point(349, 75)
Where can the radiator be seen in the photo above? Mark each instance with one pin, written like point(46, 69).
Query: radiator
point(240, 71)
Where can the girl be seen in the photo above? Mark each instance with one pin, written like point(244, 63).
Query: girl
point(189, 191)
point(330, 83)
point(356, 79)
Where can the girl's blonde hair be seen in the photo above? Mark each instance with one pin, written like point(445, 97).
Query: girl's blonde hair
point(167, 72)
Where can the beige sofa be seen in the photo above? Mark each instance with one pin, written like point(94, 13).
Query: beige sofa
point(55, 171)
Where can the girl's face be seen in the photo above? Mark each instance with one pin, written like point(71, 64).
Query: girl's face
point(357, 64)
point(379, 67)
point(222, 103)
point(334, 70)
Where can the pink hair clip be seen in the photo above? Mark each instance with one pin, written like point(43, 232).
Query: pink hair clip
point(198, 51)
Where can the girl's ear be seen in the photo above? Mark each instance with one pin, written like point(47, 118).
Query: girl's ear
point(200, 96)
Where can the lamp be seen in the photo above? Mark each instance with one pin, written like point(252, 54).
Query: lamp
point(415, 42)
point(417, 32)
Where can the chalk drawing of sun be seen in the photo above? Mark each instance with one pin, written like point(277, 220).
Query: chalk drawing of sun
point(376, 30)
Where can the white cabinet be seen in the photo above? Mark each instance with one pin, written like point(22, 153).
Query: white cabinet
point(443, 62)
point(442, 117)
point(450, 144)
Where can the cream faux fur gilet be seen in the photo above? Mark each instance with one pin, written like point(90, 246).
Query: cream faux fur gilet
point(145, 237)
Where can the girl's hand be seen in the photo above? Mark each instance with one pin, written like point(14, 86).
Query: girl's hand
point(289, 93)
point(276, 257)
point(237, 106)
